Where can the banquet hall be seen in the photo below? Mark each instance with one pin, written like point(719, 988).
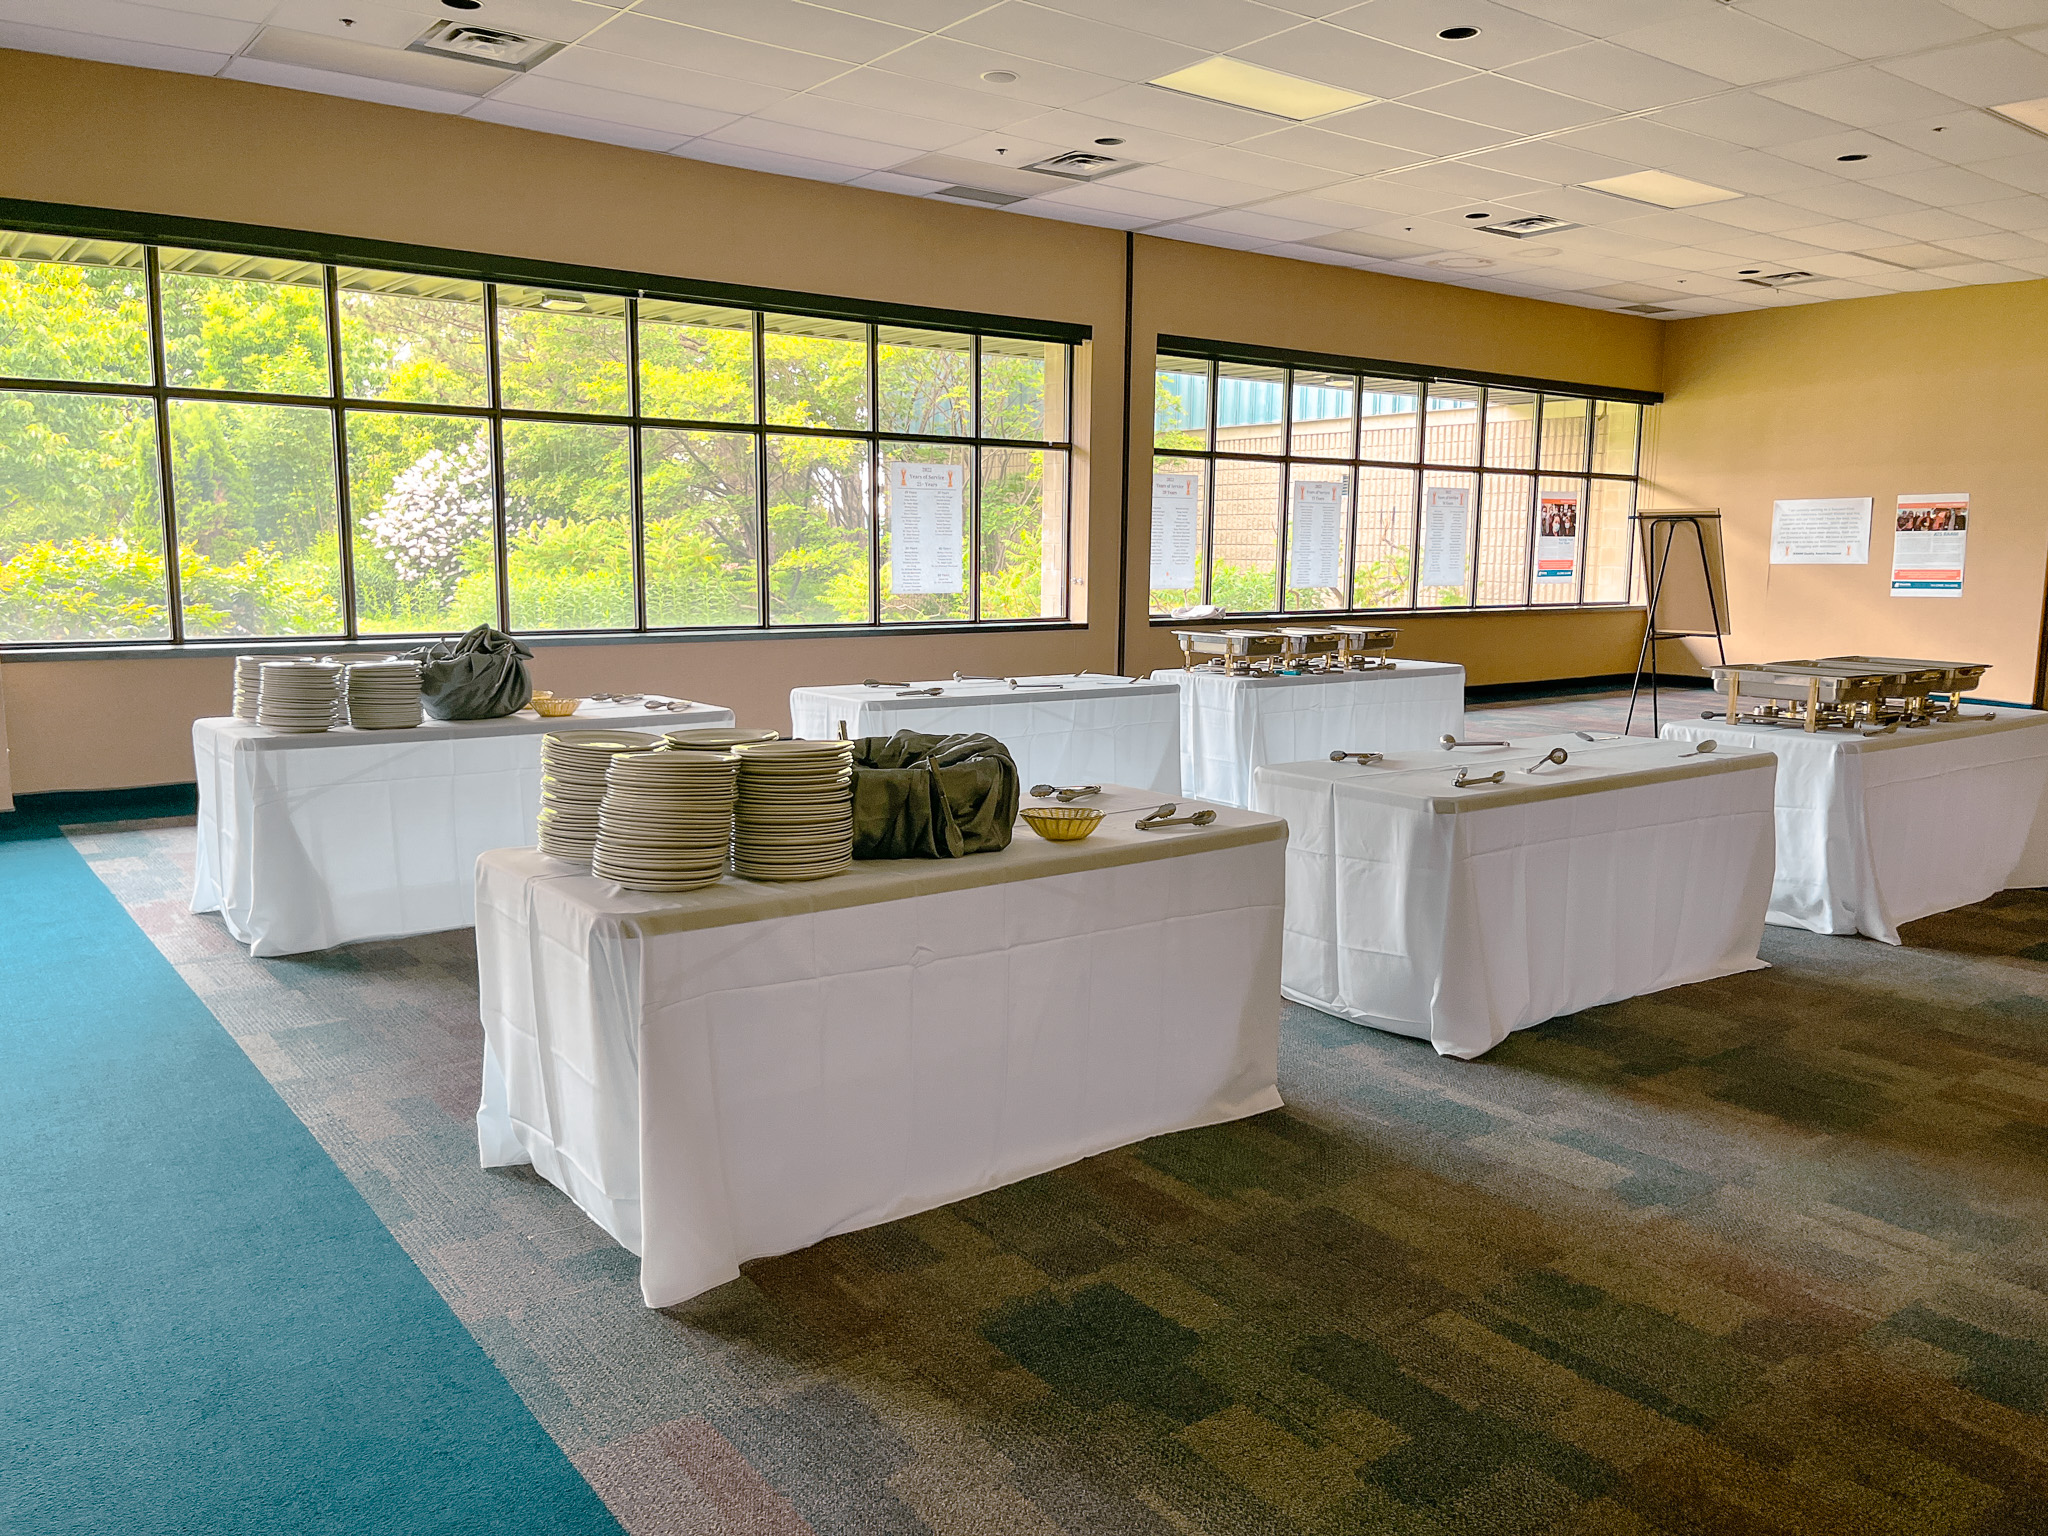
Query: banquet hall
point(570, 571)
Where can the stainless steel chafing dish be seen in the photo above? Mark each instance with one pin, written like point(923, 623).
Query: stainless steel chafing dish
point(1845, 692)
point(1287, 649)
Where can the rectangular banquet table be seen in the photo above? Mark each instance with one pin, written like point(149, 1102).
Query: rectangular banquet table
point(1875, 831)
point(747, 1069)
point(1088, 730)
point(1460, 915)
point(306, 842)
point(1232, 726)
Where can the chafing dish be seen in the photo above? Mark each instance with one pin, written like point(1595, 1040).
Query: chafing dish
point(1849, 693)
point(1287, 649)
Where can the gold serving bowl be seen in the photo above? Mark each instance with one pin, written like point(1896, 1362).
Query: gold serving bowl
point(553, 708)
point(1062, 823)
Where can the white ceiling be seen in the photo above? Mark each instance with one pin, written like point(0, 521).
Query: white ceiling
point(1757, 96)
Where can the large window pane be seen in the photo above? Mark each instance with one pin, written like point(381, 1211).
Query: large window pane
point(1610, 541)
point(258, 545)
point(1023, 533)
point(562, 351)
point(696, 361)
point(1451, 424)
point(1614, 436)
point(926, 381)
point(1179, 543)
point(1383, 538)
point(1246, 537)
point(817, 371)
point(419, 496)
point(818, 530)
point(700, 506)
point(1452, 586)
point(568, 524)
point(1504, 515)
point(1387, 425)
point(1180, 409)
point(407, 337)
point(73, 309)
point(926, 507)
point(1318, 531)
point(1560, 533)
point(1024, 389)
point(1510, 429)
point(81, 526)
point(1564, 433)
point(1325, 407)
point(254, 323)
point(1249, 402)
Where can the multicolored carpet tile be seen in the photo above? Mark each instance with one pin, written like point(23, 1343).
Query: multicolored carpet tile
point(1760, 1257)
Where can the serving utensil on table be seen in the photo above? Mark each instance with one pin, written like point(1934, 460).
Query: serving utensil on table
point(1705, 749)
point(1463, 781)
point(1452, 741)
point(1363, 758)
point(1064, 793)
point(1165, 817)
point(1554, 755)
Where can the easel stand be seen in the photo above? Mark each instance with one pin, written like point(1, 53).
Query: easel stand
point(1660, 535)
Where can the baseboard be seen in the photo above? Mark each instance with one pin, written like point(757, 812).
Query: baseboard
point(141, 804)
point(1573, 687)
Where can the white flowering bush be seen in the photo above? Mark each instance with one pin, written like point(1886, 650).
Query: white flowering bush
point(434, 511)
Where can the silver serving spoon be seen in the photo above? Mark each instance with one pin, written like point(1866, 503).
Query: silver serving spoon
point(1452, 741)
point(919, 693)
point(1707, 747)
point(875, 682)
point(1462, 782)
point(1554, 755)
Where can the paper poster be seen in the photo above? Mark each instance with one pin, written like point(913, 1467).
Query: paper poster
point(1557, 538)
point(1445, 520)
point(1176, 530)
point(1927, 545)
point(1315, 544)
point(925, 526)
point(1824, 531)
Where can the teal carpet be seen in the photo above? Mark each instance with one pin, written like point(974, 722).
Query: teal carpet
point(206, 1329)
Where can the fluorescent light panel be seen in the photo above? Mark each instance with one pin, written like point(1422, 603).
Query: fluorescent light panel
point(1661, 189)
point(1238, 84)
point(2028, 114)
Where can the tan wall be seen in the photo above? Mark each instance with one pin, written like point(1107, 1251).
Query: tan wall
point(1870, 397)
point(203, 148)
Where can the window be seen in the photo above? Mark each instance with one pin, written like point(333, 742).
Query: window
point(203, 444)
point(1281, 486)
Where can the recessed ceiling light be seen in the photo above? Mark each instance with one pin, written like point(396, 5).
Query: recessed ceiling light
point(1852, 157)
point(1109, 141)
point(2028, 114)
point(1661, 189)
point(1749, 272)
point(1463, 263)
point(1458, 34)
point(464, 5)
point(1238, 84)
point(993, 76)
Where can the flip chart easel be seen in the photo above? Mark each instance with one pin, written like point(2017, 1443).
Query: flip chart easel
point(1688, 591)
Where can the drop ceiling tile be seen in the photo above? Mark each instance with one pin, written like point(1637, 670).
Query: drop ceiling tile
point(1268, 171)
point(1756, 172)
point(957, 170)
point(1687, 258)
point(2028, 171)
point(1546, 161)
point(1863, 268)
point(1913, 282)
point(1334, 56)
point(667, 42)
point(293, 77)
point(1772, 250)
point(1008, 149)
point(897, 182)
point(1930, 224)
point(2023, 213)
point(1863, 97)
point(1405, 127)
point(568, 125)
point(1756, 213)
point(663, 82)
point(1114, 198)
point(1841, 288)
point(1848, 200)
point(2003, 13)
point(952, 62)
point(1467, 182)
point(1215, 26)
point(1743, 117)
point(1841, 236)
point(1643, 141)
point(1615, 77)
point(810, 144)
point(1080, 130)
point(1505, 36)
point(1033, 32)
point(1310, 209)
point(924, 15)
point(1261, 225)
point(1383, 196)
point(1868, 29)
point(786, 24)
point(892, 92)
point(1916, 257)
point(1943, 187)
point(1196, 235)
point(1359, 242)
point(1508, 104)
point(871, 123)
point(643, 114)
point(232, 10)
point(133, 23)
point(380, 26)
point(110, 50)
point(1731, 46)
point(1962, 137)
point(1331, 151)
point(1189, 116)
point(747, 157)
point(1978, 272)
point(1213, 191)
point(2003, 246)
point(2029, 264)
point(1979, 73)
point(1589, 243)
point(346, 56)
point(563, 20)
point(1673, 228)
point(1075, 213)
point(1884, 156)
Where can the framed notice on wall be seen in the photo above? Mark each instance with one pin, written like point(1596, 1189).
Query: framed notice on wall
point(1929, 537)
point(1821, 531)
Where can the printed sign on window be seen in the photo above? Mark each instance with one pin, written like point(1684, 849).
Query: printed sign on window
point(1557, 538)
point(925, 526)
point(1446, 518)
point(1176, 530)
point(1315, 548)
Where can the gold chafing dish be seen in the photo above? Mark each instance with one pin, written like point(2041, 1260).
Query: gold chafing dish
point(1845, 692)
point(1287, 649)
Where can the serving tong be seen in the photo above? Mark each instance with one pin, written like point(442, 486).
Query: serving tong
point(1464, 781)
point(1166, 816)
point(1065, 793)
point(1363, 759)
point(964, 677)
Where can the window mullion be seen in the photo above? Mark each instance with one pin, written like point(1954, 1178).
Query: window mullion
point(338, 435)
point(761, 550)
point(973, 530)
point(501, 554)
point(160, 372)
point(874, 485)
point(636, 509)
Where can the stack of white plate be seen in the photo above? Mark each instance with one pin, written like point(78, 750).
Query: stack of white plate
point(572, 779)
point(248, 685)
point(794, 815)
point(666, 821)
point(297, 696)
point(383, 695)
point(718, 738)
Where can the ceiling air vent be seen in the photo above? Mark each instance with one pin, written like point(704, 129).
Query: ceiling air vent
point(979, 195)
point(483, 45)
point(1782, 279)
point(1080, 165)
point(1534, 224)
point(1647, 309)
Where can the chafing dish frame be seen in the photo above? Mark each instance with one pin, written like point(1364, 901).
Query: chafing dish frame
point(1845, 693)
point(1287, 649)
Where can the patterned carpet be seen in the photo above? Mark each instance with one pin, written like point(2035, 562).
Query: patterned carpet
point(1765, 1255)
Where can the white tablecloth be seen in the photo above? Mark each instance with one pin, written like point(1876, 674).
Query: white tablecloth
point(306, 842)
point(1230, 726)
point(1090, 730)
point(745, 1070)
point(1875, 831)
point(1458, 916)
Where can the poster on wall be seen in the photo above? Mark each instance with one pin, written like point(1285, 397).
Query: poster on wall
point(1176, 530)
point(1315, 543)
point(1446, 518)
point(1821, 531)
point(925, 527)
point(1927, 545)
point(1557, 538)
